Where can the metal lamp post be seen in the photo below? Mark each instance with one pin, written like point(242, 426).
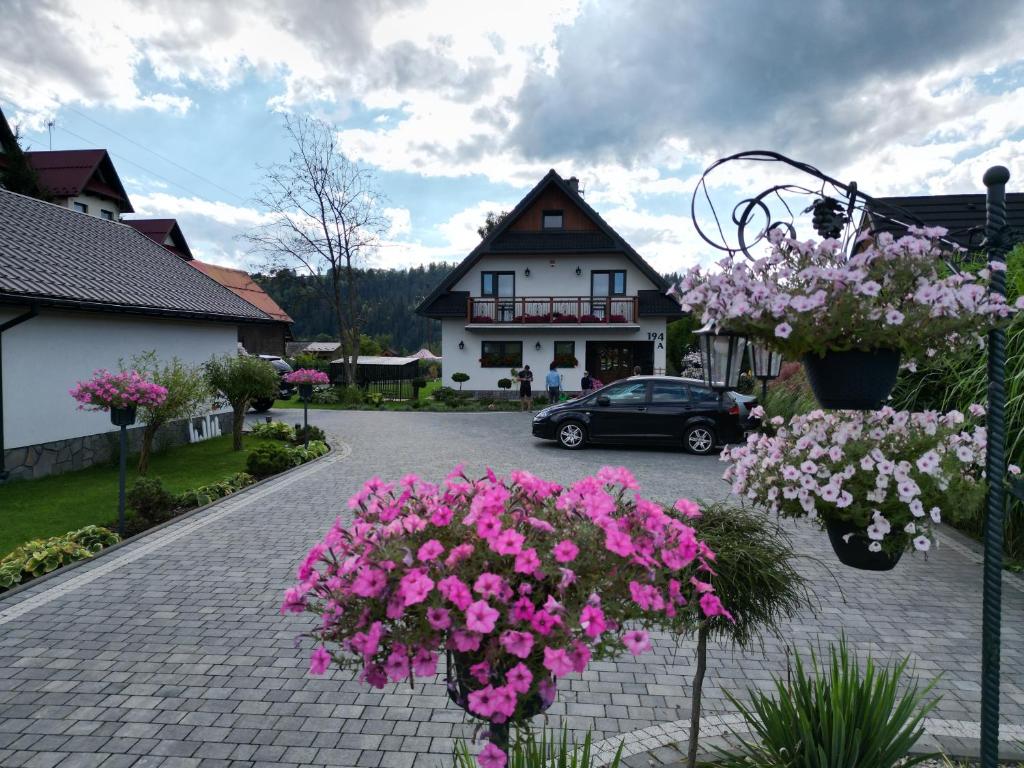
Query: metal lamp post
point(306, 393)
point(122, 417)
point(767, 363)
point(721, 356)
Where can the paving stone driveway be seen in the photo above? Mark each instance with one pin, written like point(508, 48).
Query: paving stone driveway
point(171, 651)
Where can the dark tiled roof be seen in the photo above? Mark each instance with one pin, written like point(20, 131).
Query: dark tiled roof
point(962, 215)
point(487, 244)
point(544, 242)
point(70, 172)
point(451, 304)
point(657, 304)
point(59, 257)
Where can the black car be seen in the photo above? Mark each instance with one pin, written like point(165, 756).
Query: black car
point(649, 409)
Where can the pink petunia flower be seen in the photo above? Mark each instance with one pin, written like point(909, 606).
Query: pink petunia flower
point(455, 591)
point(430, 550)
point(523, 610)
point(480, 617)
point(424, 662)
point(319, 661)
point(565, 551)
point(438, 618)
point(491, 757)
point(637, 641)
point(489, 585)
point(519, 678)
point(544, 622)
point(592, 620)
point(618, 542)
point(711, 605)
point(527, 561)
point(508, 542)
point(414, 587)
point(517, 643)
point(557, 661)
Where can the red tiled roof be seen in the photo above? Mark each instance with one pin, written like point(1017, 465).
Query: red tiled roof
point(68, 172)
point(241, 284)
point(158, 230)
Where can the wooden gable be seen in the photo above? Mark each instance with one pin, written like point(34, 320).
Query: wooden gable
point(553, 199)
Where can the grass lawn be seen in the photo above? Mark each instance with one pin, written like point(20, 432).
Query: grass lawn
point(57, 504)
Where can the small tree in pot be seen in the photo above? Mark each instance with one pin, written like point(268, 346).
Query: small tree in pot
point(241, 380)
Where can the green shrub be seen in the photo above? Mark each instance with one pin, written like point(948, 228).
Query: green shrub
point(374, 398)
point(268, 459)
point(275, 430)
point(205, 494)
point(150, 500)
point(541, 749)
point(327, 396)
point(350, 395)
point(242, 380)
point(505, 383)
point(40, 556)
point(839, 715)
point(306, 360)
point(540, 399)
point(316, 449)
point(460, 378)
point(442, 394)
point(315, 433)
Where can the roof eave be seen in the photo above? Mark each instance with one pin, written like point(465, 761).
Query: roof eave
point(57, 302)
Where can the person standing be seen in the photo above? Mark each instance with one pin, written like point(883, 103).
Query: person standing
point(554, 383)
point(525, 378)
point(636, 370)
point(586, 383)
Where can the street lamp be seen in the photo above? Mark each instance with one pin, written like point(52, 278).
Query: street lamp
point(767, 363)
point(721, 356)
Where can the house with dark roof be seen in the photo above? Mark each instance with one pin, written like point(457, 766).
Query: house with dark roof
point(83, 180)
point(166, 232)
point(552, 282)
point(962, 215)
point(79, 293)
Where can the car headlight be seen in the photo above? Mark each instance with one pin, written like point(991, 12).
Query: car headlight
point(541, 415)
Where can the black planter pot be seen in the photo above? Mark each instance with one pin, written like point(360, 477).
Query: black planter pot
point(461, 683)
point(122, 417)
point(853, 380)
point(854, 552)
point(305, 391)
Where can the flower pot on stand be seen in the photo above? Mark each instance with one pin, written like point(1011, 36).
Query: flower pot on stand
point(305, 391)
point(460, 683)
point(851, 547)
point(854, 379)
point(123, 416)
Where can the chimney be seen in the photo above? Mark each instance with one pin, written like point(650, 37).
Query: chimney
point(574, 184)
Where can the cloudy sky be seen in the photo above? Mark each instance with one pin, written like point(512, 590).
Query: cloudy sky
point(461, 107)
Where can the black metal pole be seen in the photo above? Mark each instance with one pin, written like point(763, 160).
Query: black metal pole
point(764, 391)
point(995, 469)
point(305, 421)
point(120, 480)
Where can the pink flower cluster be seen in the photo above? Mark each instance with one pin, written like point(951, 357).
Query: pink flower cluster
point(808, 297)
point(307, 376)
point(892, 473)
point(106, 390)
point(523, 581)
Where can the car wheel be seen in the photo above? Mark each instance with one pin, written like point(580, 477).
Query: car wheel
point(572, 435)
point(262, 406)
point(699, 439)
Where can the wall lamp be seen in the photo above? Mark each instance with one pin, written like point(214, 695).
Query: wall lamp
point(462, 345)
point(526, 272)
point(537, 346)
point(579, 272)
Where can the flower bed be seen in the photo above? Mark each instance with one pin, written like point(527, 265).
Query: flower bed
point(520, 581)
point(891, 475)
point(41, 556)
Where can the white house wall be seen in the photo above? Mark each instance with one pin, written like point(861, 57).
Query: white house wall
point(557, 280)
point(96, 204)
point(45, 356)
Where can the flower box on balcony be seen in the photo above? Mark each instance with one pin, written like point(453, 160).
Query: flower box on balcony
point(537, 318)
point(481, 319)
point(617, 319)
point(590, 319)
point(565, 319)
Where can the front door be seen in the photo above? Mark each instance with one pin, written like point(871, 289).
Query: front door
point(610, 361)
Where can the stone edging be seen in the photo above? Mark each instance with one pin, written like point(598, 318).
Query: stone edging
point(344, 450)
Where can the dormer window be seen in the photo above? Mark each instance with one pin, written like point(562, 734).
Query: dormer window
point(81, 207)
point(553, 220)
point(108, 215)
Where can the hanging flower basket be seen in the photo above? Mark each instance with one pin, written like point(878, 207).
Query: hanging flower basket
point(122, 416)
point(463, 677)
point(852, 548)
point(853, 379)
point(878, 481)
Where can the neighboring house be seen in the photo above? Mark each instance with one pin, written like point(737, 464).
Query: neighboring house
point(83, 180)
point(79, 293)
point(962, 215)
point(323, 349)
point(255, 338)
point(552, 283)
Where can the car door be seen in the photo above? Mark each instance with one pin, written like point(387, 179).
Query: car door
point(667, 412)
point(617, 411)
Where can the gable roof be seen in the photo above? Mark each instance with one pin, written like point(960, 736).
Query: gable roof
point(603, 239)
point(56, 257)
point(158, 230)
point(962, 215)
point(7, 141)
point(69, 172)
point(241, 284)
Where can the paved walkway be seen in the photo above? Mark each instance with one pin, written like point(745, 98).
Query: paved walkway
point(171, 651)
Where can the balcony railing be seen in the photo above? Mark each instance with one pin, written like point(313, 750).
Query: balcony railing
point(568, 310)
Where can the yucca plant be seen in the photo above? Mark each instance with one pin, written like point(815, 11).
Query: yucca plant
point(543, 748)
point(839, 716)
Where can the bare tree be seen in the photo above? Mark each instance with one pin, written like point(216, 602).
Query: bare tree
point(325, 216)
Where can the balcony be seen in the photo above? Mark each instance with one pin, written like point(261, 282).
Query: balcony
point(552, 311)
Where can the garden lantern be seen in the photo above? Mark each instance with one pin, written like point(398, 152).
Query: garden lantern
point(721, 356)
point(767, 363)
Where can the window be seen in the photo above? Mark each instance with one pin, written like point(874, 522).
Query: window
point(108, 215)
point(703, 394)
point(608, 283)
point(553, 220)
point(565, 354)
point(669, 392)
point(501, 284)
point(81, 207)
point(501, 354)
point(635, 392)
